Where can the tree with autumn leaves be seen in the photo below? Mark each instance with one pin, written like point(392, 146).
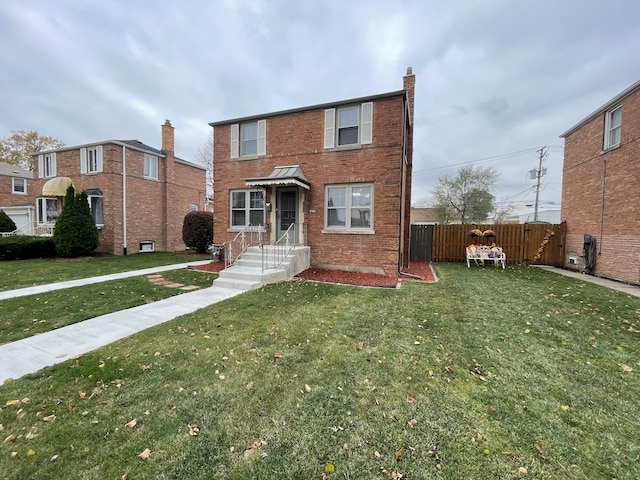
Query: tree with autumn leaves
point(17, 148)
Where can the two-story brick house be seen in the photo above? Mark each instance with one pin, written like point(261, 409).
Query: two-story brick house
point(601, 179)
point(138, 195)
point(16, 196)
point(339, 172)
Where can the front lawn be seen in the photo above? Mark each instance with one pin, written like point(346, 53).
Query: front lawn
point(487, 374)
point(26, 273)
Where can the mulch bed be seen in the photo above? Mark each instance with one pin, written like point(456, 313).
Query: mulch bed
point(420, 268)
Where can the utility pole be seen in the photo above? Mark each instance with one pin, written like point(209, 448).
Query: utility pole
point(542, 154)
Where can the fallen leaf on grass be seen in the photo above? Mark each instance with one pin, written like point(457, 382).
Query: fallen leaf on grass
point(329, 468)
point(626, 368)
point(255, 446)
point(522, 471)
point(145, 454)
point(307, 388)
point(538, 446)
point(49, 418)
point(132, 423)
point(9, 439)
point(392, 475)
point(11, 403)
point(194, 431)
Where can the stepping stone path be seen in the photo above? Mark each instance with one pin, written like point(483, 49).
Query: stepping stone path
point(158, 280)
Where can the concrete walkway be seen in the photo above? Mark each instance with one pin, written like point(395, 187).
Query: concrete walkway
point(31, 354)
point(603, 282)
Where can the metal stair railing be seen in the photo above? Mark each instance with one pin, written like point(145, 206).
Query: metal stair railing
point(274, 255)
point(249, 236)
point(42, 230)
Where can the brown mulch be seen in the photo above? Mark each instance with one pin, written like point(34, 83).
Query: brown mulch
point(420, 268)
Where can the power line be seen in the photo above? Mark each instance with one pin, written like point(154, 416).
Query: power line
point(486, 159)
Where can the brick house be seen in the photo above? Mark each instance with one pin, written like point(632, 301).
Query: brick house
point(337, 175)
point(601, 178)
point(16, 194)
point(138, 195)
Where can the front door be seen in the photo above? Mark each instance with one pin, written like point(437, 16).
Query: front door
point(287, 207)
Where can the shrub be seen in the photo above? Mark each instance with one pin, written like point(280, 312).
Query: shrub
point(76, 233)
point(197, 231)
point(6, 224)
point(24, 247)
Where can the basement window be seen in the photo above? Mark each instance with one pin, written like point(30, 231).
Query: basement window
point(147, 246)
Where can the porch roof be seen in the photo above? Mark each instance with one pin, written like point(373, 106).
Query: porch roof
point(289, 175)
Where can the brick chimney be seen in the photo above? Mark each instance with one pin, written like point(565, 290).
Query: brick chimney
point(409, 84)
point(169, 185)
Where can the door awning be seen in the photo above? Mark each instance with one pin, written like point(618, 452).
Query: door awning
point(57, 187)
point(281, 176)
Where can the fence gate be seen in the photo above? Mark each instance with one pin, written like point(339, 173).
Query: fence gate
point(421, 242)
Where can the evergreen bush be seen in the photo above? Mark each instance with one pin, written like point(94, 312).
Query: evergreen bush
point(6, 224)
point(197, 231)
point(23, 247)
point(76, 233)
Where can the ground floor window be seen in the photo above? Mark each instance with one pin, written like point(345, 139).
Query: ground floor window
point(47, 210)
point(247, 208)
point(349, 207)
point(97, 210)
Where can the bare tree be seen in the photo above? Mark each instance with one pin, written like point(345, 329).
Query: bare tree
point(18, 147)
point(204, 156)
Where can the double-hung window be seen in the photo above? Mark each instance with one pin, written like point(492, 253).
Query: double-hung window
point(47, 165)
point(612, 127)
point(348, 126)
point(91, 159)
point(249, 139)
point(19, 185)
point(247, 208)
point(349, 207)
point(150, 166)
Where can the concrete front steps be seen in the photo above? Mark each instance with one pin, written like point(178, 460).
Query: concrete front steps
point(247, 274)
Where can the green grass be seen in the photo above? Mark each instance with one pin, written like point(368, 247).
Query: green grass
point(34, 314)
point(477, 376)
point(26, 273)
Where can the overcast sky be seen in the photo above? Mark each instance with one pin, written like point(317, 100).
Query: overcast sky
point(495, 79)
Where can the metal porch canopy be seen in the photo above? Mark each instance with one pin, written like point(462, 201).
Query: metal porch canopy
point(281, 176)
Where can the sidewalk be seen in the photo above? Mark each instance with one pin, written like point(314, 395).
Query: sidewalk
point(603, 282)
point(31, 354)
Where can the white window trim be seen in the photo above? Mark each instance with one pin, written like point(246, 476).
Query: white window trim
point(87, 167)
point(47, 160)
point(247, 209)
point(147, 172)
point(261, 140)
point(13, 186)
point(89, 197)
point(365, 127)
point(347, 228)
point(609, 128)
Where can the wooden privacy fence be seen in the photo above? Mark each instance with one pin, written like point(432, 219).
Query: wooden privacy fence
point(528, 243)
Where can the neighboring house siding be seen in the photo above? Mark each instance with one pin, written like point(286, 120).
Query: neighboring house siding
point(298, 138)
point(599, 192)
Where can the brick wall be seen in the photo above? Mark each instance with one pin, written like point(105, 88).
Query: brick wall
point(599, 192)
point(297, 139)
point(8, 198)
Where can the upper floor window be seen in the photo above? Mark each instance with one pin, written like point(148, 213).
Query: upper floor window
point(249, 139)
point(247, 208)
point(150, 166)
point(91, 159)
point(19, 185)
point(348, 126)
point(349, 207)
point(47, 165)
point(612, 127)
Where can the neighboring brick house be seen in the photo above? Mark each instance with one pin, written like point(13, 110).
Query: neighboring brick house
point(16, 194)
point(600, 184)
point(138, 195)
point(339, 172)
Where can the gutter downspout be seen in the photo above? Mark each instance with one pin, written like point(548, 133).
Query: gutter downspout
point(402, 186)
point(604, 188)
point(124, 200)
